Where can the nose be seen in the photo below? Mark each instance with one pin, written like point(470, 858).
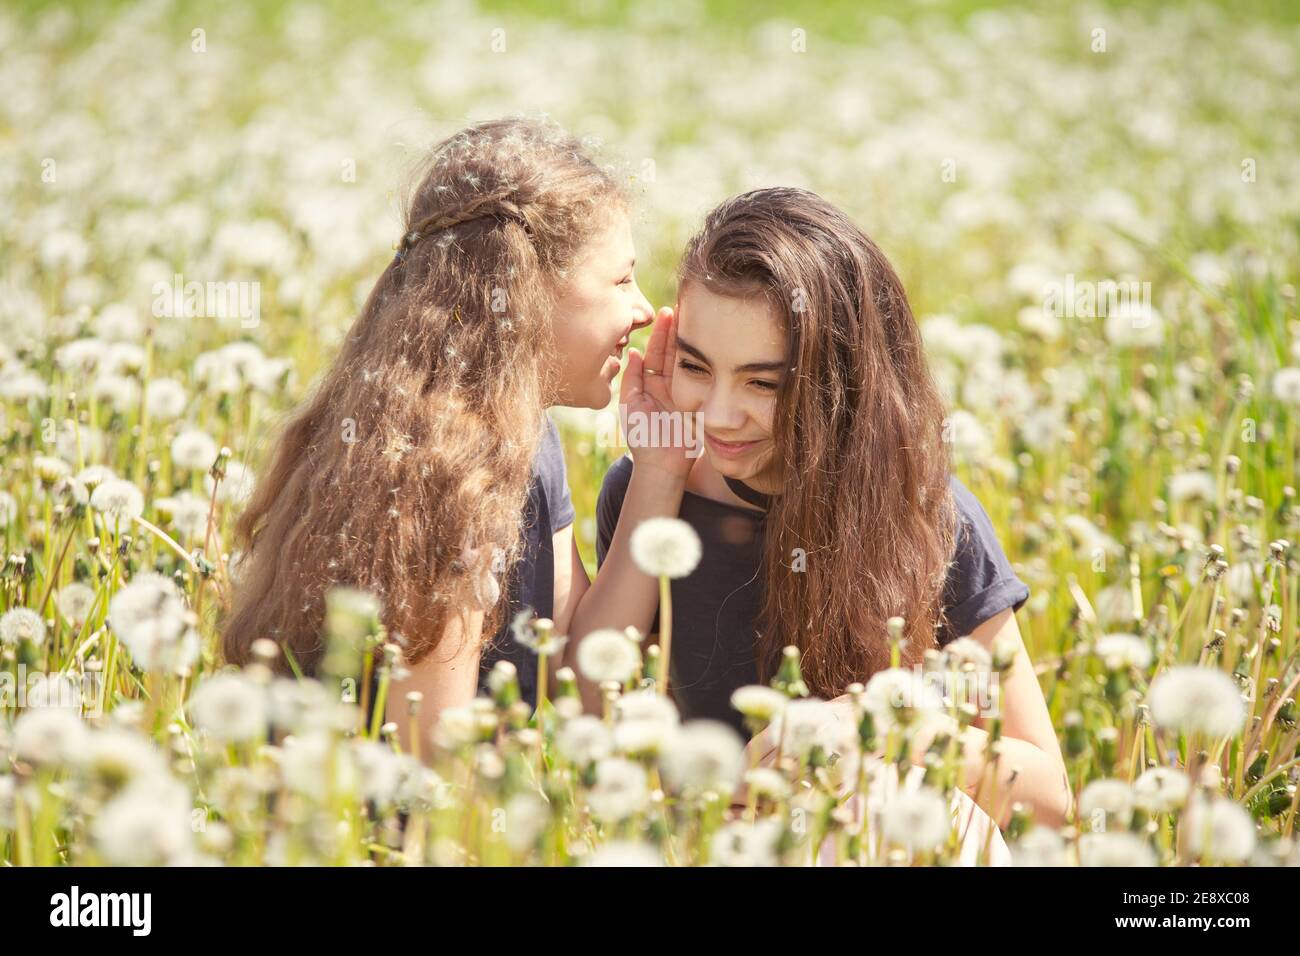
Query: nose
point(643, 313)
point(719, 413)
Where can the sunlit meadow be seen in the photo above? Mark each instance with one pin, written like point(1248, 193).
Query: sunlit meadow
point(1095, 214)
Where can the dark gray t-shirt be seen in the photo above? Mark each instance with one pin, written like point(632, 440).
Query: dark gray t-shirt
point(716, 608)
point(532, 582)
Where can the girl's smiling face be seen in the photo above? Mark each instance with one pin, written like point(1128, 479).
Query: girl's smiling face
point(731, 353)
point(601, 306)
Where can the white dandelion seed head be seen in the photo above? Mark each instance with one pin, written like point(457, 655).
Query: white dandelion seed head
point(1134, 325)
point(1041, 846)
point(379, 771)
point(1189, 698)
point(121, 393)
point(92, 476)
point(915, 819)
point(759, 702)
point(187, 513)
point(194, 450)
point(117, 756)
point(607, 654)
point(298, 703)
point(147, 824)
point(236, 488)
point(49, 735)
point(1219, 829)
point(54, 690)
point(646, 705)
point(310, 763)
point(230, 707)
point(74, 601)
point(165, 399)
point(502, 675)
point(456, 727)
point(967, 650)
point(897, 694)
point(666, 547)
point(21, 624)
point(1161, 789)
point(1115, 848)
point(1121, 651)
point(809, 722)
point(584, 740)
point(526, 818)
point(767, 782)
point(1286, 385)
point(49, 469)
point(1192, 486)
point(118, 498)
point(704, 755)
point(621, 790)
point(624, 853)
point(742, 843)
point(149, 616)
point(1111, 798)
point(8, 509)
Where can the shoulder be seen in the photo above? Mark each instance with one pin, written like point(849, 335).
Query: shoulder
point(613, 489)
point(551, 477)
point(981, 580)
point(617, 479)
point(609, 503)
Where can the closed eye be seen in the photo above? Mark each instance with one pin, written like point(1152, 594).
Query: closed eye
point(627, 279)
point(764, 384)
point(688, 366)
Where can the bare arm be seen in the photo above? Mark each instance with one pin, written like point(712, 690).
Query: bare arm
point(623, 595)
point(445, 681)
point(1031, 769)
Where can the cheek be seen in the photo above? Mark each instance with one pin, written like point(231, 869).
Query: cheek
point(687, 395)
point(763, 411)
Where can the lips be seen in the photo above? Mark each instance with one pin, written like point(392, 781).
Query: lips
point(728, 449)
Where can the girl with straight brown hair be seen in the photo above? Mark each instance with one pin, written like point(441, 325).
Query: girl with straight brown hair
point(825, 503)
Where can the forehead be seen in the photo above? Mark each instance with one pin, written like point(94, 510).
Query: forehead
point(730, 330)
point(612, 240)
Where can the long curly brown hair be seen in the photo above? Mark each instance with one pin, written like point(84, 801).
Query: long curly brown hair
point(858, 428)
point(409, 465)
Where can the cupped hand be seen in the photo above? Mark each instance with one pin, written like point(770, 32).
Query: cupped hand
point(658, 434)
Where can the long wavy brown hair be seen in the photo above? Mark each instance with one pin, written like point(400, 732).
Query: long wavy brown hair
point(410, 462)
point(858, 435)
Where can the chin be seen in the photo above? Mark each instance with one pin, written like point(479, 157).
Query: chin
point(600, 399)
point(739, 470)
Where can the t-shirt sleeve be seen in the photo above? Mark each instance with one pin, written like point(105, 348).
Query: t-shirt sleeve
point(981, 581)
point(554, 479)
point(609, 503)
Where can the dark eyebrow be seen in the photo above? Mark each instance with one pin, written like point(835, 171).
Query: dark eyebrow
point(747, 367)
